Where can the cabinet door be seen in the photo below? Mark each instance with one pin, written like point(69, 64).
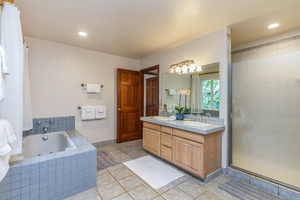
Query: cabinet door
point(188, 155)
point(151, 140)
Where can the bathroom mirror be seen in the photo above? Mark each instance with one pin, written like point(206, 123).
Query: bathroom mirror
point(209, 94)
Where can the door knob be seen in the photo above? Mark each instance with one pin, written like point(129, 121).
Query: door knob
point(119, 109)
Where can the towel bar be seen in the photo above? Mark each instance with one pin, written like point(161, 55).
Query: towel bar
point(82, 85)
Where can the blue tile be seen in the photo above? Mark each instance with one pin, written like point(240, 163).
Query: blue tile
point(59, 180)
point(43, 164)
point(59, 166)
point(59, 173)
point(25, 182)
point(5, 188)
point(15, 193)
point(51, 175)
point(44, 197)
point(51, 182)
point(34, 166)
point(25, 196)
point(25, 175)
point(14, 178)
point(16, 198)
point(59, 192)
point(34, 187)
point(15, 170)
point(25, 190)
point(67, 158)
point(43, 177)
point(51, 162)
point(43, 184)
point(59, 186)
point(34, 173)
point(15, 185)
point(51, 195)
point(5, 181)
point(35, 193)
point(25, 168)
point(35, 180)
point(52, 168)
point(44, 190)
point(5, 195)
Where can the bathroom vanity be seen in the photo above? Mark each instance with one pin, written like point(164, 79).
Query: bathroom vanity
point(192, 146)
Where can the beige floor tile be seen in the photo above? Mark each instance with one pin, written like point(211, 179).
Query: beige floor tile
point(104, 179)
point(208, 195)
point(165, 188)
point(192, 187)
point(121, 173)
point(115, 152)
point(89, 194)
point(120, 156)
point(115, 167)
point(158, 198)
point(143, 192)
point(131, 182)
point(181, 179)
point(110, 191)
point(124, 196)
point(125, 159)
point(103, 171)
point(176, 194)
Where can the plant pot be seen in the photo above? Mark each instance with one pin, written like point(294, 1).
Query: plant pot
point(179, 116)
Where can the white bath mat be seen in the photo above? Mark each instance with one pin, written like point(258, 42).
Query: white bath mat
point(156, 173)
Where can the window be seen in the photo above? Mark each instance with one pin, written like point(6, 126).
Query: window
point(210, 94)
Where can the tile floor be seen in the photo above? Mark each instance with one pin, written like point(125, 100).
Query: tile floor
point(119, 183)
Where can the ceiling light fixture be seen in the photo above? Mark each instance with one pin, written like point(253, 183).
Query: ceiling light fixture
point(275, 25)
point(185, 67)
point(82, 33)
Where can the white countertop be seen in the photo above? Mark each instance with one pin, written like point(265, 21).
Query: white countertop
point(211, 128)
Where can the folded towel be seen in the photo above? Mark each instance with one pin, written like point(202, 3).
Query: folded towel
point(100, 112)
point(7, 137)
point(97, 88)
point(87, 112)
point(90, 88)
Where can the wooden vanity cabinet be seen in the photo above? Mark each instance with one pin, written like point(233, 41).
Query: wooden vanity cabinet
point(196, 153)
point(151, 138)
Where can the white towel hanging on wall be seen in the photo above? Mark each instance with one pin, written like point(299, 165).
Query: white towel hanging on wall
point(100, 112)
point(87, 112)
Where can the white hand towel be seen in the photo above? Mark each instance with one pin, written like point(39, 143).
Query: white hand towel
point(97, 88)
point(100, 112)
point(7, 137)
point(3, 70)
point(87, 112)
point(172, 92)
point(169, 108)
point(90, 88)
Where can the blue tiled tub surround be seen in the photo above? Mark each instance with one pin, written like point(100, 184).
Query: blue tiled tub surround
point(59, 124)
point(55, 176)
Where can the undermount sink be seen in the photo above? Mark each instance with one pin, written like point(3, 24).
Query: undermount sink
point(160, 118)
point(192, 123)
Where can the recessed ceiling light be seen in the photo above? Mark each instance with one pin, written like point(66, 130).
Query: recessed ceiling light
point(82, 33)
point(275, 25)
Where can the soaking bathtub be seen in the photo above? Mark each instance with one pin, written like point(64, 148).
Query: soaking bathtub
point(62, 166)
point(35, 145)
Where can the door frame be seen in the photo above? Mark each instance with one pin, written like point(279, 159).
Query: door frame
point(149, 71)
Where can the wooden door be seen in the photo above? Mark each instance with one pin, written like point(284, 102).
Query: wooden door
point(152, 96)
point(129, 105)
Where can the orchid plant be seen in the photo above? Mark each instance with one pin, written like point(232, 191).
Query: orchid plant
point(184, 109)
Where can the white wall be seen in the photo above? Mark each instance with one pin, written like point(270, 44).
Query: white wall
point(207, 49)
point(56, 72)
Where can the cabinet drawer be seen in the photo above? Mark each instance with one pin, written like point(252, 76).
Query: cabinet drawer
point(166, 153)
point(151, 126)
point(166, 140)
point(189, 135)
point(165, 129)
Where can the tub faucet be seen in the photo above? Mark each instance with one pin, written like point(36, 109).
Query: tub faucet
point(45, 129)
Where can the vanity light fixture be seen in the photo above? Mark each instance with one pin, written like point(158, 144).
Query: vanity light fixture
point(185, 67)
point(82, 34)
point(275, 25)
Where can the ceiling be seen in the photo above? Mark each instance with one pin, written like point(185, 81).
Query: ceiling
point(136, 28)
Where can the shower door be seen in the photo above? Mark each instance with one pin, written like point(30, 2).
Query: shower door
point(266, 111)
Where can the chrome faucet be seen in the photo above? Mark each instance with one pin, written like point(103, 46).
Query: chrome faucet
point(198, 118)
point(45, 129)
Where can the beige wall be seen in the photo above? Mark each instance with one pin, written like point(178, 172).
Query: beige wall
point(56, 72)
point(207, 49)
